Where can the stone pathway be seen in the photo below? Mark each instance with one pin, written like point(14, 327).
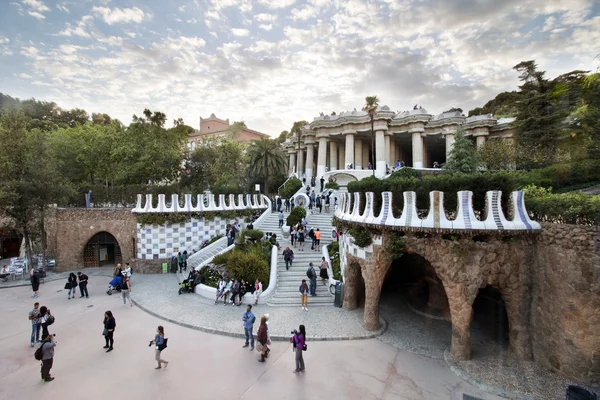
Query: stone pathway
point(157, 294)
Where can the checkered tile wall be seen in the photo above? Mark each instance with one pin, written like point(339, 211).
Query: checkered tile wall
point(164, 241)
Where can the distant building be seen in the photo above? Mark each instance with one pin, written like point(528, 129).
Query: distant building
point(215, 128)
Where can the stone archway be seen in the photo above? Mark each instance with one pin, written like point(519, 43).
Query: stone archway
point(489, 326)
point(10, 243)
point(102, 249)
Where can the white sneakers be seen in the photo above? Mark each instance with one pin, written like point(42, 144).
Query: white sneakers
point(305, 308)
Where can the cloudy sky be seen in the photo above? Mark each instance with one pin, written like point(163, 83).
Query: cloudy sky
point(271, 62)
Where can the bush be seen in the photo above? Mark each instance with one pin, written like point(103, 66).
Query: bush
point(296, 216)
point(290, 187)
point(211, 241)
point(568, 208)
point(253, 234)
point(362, 237)
point(332, 185)
point(248, 261)
point(209, 276)
point(334, 256)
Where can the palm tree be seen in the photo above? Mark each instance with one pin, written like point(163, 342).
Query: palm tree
point(371, 104)
point(266, 155)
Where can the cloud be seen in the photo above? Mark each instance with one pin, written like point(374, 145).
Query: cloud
point(62, 8)
point(36, 15)
point(304, 13)
point(275, 4)
point(121, 15)
point(36, 5)
point(4, 40)
point(240, 32)
point(24, 75)
point(264, 17)
point(266, 27)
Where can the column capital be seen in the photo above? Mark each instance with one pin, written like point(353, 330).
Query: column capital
point(349, 132)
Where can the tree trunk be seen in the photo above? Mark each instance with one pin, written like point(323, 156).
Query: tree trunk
point(266, 176)
point(26, 238)
point(43, 235)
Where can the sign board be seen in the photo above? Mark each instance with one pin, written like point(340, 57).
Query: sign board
point(165, 267)
point(257, 187)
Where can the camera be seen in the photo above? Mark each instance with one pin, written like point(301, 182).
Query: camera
point(294, 332)
point(150, 344)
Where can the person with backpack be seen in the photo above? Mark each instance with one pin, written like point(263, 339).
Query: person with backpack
point(160, 341)
point(36, 324)
point(248, 319)
point(45, 354)
point(303, 289)
point(288, 257)
point(312, 276)
point(72, 285)
point(109, 330)
point(311, 235)
point(299, 343)
point(83, 281)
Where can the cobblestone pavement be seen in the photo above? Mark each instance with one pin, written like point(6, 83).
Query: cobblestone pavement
point(53, 276)
point(201, 366)
point(157, 294)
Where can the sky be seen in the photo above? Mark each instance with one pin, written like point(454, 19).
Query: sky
point(272, 62)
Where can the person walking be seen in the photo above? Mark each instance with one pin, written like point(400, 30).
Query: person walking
point(180, 262)
point(72, 284)
point(281, 218)
point(262, 337)
point(299, 341)
point(301, 238)
point(35, 283)
point(322, 183)
point(317, 240)
point(279, 203)
point(47, 350)
point(257, 291)
point(304, 294)
point(160, 343)
point(288, 257)
point(311, 235)
point(323, 273)
point(83, 281)
point(126, 291)
point(293, 236)
point(320, 204)
point(109, 330)
point(248, 319)
point(184, 258)
point(36, 324)
point(312, 276)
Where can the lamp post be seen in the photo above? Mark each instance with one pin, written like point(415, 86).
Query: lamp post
point(372, 114)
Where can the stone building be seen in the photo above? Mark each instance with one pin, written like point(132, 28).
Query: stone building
point(214, 128)
point(343, 143)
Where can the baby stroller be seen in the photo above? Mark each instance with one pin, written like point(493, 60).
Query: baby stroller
point(116, 283)
point(188, 285)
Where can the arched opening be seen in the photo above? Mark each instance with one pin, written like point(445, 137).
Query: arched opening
point(10, 243)
point(489, 326)
point(102, 250)
point(415, 305)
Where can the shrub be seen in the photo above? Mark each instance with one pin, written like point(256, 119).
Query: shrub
point(295, 216)
point(362, 237)
point(569, 208)
point(290, 187)
point(334, 256)
point(209, 276)
point(332, 185)
point(211, 241)
point(253, 234)
point(249, 266)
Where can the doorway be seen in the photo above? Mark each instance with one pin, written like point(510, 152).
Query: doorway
point(102, 250)
point(10, 243)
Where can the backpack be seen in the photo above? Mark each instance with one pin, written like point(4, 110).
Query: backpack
point(163, 345)
point(254, 319)
point(38, 353)
point(310, 273)
point(50, 320)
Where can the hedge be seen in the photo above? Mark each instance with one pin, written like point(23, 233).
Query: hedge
point(567, 208)
point(295, 216)
point(290, 187)
point(248, 262)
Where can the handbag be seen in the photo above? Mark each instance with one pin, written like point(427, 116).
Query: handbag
point(259, 347)
point(105, 332)
point(304, 347)
point(68, 285)
point(163, 345)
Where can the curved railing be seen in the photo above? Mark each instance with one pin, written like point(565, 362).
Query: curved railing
point(204, 202)
point(325, 252)
point(466, 219)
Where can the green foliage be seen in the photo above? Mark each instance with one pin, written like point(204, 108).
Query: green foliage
point(362, 236)
point(503, 105)
point(463, 157)
point(498, 154)
point(569, 208)
point(266, 158)
point(334, 256)
point(253, 234)
point(209, 276)
point(248, 262)
point(290, 187)
point(178, 218)
point(295, 216)
point(332, 185)
point(394, 246)
point(211, 241)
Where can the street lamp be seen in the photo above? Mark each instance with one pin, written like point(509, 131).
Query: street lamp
point(372, 114)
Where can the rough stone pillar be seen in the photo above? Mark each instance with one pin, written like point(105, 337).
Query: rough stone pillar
point(517, 303)
point(349, 159)
point(358, 156)
point(292, 162)
point(388, 159)
point(460, 299)
point(380, 154)
point(417, 150)
point(310, 155)
point(365, 153)
point(437, 295)
point(449, 144)
point(333, 156)
point(393, 156)
point(480, 141)
point(300, 163)
point(341, 155)
point(322, 157)
point(374, 273)
point(351, 277)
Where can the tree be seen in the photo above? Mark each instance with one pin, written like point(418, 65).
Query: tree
point(101, 118)
point(498, 154)
point(371, 105)
point(266, 157)
point(463, 157)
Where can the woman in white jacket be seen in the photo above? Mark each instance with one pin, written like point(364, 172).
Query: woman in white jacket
point(257, 291)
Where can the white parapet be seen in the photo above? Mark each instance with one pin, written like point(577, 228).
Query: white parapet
point(521, 219)
point(465, 216)
point(436, 218)
point(203, 203)
point(368, 216)
point(409, 217)
point(495, 219)
point(355, 217)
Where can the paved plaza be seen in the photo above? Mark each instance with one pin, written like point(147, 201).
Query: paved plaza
point(202, 365)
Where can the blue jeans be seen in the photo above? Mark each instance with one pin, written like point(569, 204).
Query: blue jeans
point(313, 286)
point(249, 336)
point(35, 332)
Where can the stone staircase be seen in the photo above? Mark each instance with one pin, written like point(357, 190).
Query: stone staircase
point(201, 256)
point(286, 292)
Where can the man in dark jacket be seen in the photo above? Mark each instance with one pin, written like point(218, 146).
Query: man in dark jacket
point(83, 281)
point(47, 358)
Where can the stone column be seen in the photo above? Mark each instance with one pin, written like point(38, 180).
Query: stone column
point(449, 144)
point(351, 278)
point(309, 161)
point(480, 140)
point(358, 157)
point(417, 150)
point(333, 156)
point(341, 156)
point(365, 153)
point(460, 300)
point(292, 163)
point(374, 273)
point(322, 157)
point(388, 152)
point(349, 159)
point(300, 163)
point(380, 154)
point(516, 301)
point(393, 156)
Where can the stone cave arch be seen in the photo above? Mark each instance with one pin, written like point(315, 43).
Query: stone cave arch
point(102, 249)
point(489, 323)
point(10, 242)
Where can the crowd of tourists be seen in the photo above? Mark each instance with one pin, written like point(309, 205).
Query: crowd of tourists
point(233, 291)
